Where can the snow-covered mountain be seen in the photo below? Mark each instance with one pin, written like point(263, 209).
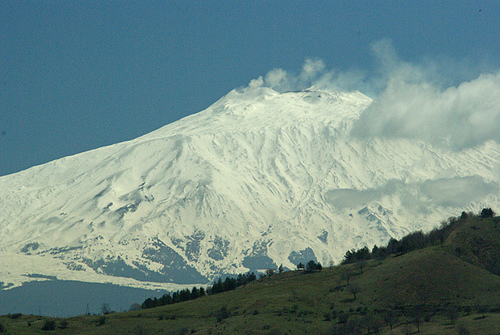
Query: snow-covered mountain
point(258, 179)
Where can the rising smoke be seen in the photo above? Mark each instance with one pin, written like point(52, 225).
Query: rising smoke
point(440, 101)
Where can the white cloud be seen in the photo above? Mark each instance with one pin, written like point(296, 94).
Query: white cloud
point(460, 116)
point(439, 100)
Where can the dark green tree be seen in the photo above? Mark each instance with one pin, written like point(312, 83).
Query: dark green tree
point(49, 325)
point(148, 303)
point(354, 289)
point(313, 266)
point(487, 213)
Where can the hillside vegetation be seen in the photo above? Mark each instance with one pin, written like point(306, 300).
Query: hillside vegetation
point(446, 287)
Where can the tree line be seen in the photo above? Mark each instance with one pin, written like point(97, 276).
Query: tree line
point(219, 286)
point(311, 266)
point(413, 241)
point(410, 242)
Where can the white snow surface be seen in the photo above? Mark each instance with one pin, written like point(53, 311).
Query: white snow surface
point(258, 173)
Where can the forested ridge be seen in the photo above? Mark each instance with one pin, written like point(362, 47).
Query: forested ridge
point(445, 281)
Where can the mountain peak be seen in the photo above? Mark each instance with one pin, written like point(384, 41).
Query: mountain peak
point(262, 107)
point(259, 178)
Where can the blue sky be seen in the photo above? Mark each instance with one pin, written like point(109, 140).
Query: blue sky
point(78, 75)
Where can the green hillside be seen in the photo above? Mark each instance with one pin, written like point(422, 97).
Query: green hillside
point(451, 287)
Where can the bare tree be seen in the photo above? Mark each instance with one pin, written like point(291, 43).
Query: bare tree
point(105, 309)
point(354, 289)
point(390, 318)
point(416, 317)
point(452, 314)
point(360, 265)
point(347, 274)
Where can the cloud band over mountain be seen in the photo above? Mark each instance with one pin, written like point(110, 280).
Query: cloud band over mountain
point(444, 102)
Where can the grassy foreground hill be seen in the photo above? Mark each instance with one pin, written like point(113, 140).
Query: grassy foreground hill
point(449, 288)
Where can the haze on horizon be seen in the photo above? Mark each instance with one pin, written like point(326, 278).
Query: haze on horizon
point(79, 75)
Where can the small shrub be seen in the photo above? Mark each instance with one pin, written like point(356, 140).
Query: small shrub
point(372, 323)
point(135, 307)
point(63, 324)
point(255, 312)
point(101, 320)
point(390, 318)
point(463, 330)
point(335, 289)
point(139, 330)
point(406, 329)
point(2, 328)
point(482, 309)
point(452, 314)
point(352, 327)
point(495, 309)
point(49, 325)
point(222, 314)
point(343, 317)
point(14, 316)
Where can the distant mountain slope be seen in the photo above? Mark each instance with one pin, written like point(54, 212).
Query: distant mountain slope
point(256, 180)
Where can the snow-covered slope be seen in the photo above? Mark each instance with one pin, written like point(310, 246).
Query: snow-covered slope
point(256, 180)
